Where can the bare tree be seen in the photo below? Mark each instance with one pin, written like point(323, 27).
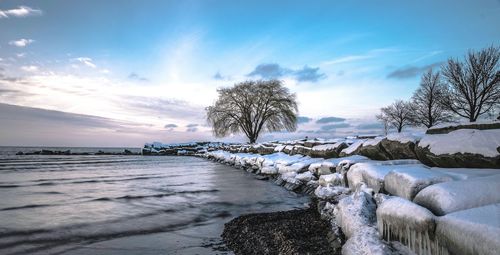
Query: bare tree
point(385, 121)
point(474, 84)
point(399, 114)
point(251, 107)
point(426, 101)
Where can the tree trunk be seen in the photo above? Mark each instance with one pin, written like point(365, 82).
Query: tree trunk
point(252, 139)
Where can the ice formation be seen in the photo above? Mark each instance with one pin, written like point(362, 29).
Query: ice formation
point(472, 231)
point(406, 182)
point(408, 223)
point(373, 172)
point(448, 197)
point(355, 214)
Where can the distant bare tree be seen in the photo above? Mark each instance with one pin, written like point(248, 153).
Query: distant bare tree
point(385, 122)
point(426, 101)
point(399, 115)
point(251, 107)
point(474, 84)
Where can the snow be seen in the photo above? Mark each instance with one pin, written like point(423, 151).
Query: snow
point(472, 231)
point(456, 124)
point(305, 177)
point(406, 182)
point(474, 141)
point(413, 225)
point(448, 197)
point(329, 165)
point(326, 147)
point(373, 142)
point(330, 179)
point(466, 173)
point(290, 177)
point(353, 147)
point(329, 191)
point(299, 166)
point(372, 173)
point(355, 214)
point(405, 137)
point(279, 148)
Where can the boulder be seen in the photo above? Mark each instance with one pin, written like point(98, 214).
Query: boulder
point(406, 182)
point(470, 148)
point(448, 197)
point(395, 149)
point(472, 231)
point(447, 128)
point(327, 150)
point(409, 223)
point(373, 149)
point(302, 150)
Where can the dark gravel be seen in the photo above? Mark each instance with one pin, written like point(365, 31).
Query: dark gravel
point(299, 231)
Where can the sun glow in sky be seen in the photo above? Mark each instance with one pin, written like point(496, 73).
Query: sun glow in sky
point(121, 73)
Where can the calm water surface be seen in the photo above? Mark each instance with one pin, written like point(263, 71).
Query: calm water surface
point(125, 204)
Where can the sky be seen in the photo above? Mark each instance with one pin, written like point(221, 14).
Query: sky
point(122, 73)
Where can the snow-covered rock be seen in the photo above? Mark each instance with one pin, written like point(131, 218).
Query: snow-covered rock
point(327, 150)
point(355, 214)
point(406, 182)
point(305, 177)
point(372, 173)
point(448, 197)
point(352, 148)
point(413, 225)
point(461, 148)
point(330, 191)
point(445, 128)
point(401, 145)
point(334, 179)
point(329, 166)
point(472, 231)
point(372, 148)
point(300, 166)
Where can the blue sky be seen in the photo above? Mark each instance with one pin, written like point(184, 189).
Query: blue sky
point(150, 67)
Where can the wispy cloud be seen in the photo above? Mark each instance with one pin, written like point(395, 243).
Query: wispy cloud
point(411, 71)
point(21, 11)
point(274, 71)
point(86, 61)
point(135, 76)
point(346, 59)
point(30, 68)
point(21, 42)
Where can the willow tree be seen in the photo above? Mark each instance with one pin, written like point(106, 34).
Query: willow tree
point(252, 107)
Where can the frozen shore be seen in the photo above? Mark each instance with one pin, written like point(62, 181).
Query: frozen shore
point(400, 194)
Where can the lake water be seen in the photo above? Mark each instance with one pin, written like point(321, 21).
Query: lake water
point(125, 204)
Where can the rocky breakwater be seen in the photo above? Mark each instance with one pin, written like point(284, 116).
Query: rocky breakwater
point(393, 206)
